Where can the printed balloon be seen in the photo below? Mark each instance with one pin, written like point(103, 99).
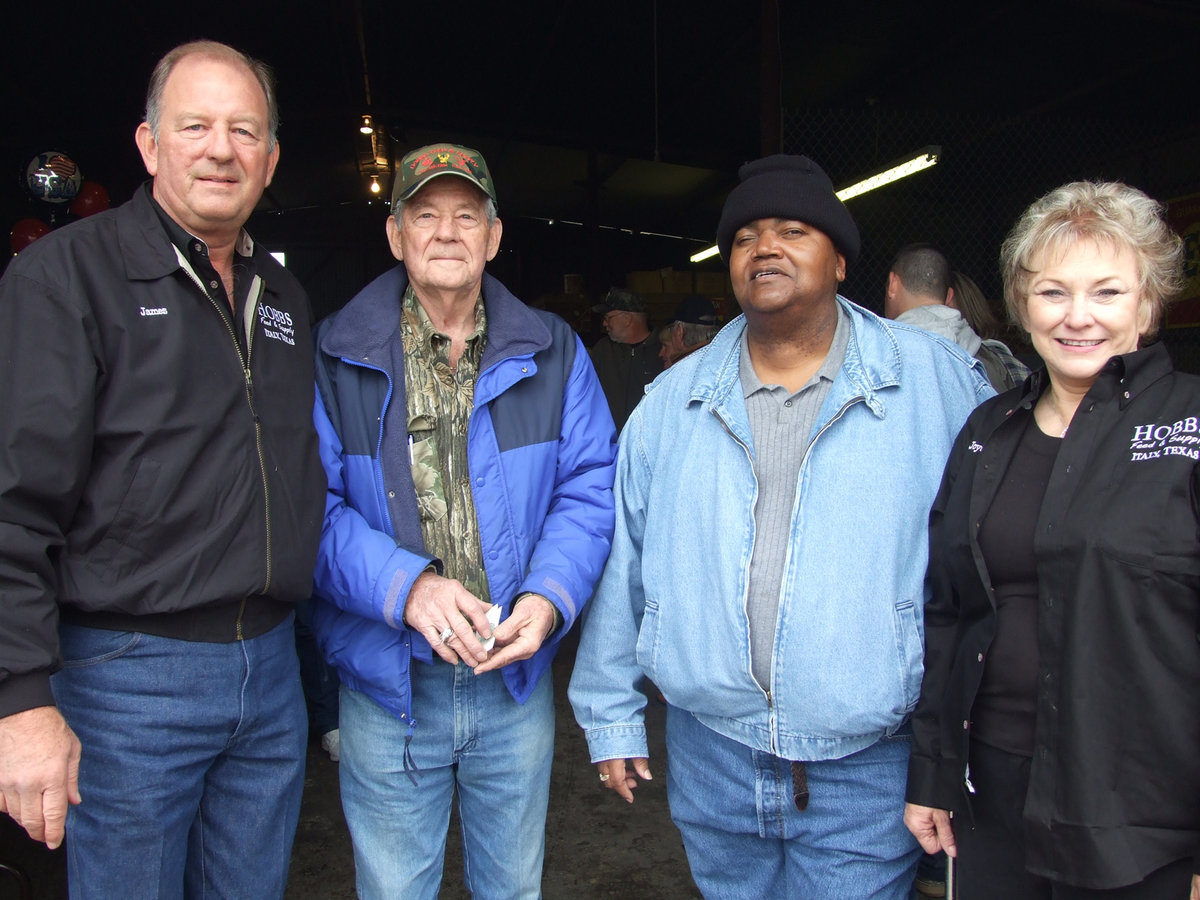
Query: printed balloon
point(53, 176)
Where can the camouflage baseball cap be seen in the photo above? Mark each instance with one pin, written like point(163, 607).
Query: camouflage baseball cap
point(432, 160)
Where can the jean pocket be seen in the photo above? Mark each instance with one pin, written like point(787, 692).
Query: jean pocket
point(82, 646)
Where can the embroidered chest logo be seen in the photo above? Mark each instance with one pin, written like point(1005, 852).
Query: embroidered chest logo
point(152, 311)
point(975, 447)
point(1155, 441)
point(277, 324)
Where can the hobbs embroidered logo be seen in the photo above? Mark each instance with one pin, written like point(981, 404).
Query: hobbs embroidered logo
point(975, 447)
point(1155, 441)
point(152, 311)
point(277, 324)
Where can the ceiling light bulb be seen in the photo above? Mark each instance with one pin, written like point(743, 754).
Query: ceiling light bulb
point(374, 184)
point(367, 127)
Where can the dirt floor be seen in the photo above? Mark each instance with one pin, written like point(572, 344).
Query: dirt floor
point(596, 845)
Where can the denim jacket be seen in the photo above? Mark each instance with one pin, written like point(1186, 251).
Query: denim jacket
point(671, 604)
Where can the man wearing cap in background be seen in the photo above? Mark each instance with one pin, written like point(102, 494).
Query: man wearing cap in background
point(469, 453)
point(694, 325)
point(626, 358)
point(768, 563)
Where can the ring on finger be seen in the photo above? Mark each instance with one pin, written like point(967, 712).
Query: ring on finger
point(603, 777)
point(446, 634)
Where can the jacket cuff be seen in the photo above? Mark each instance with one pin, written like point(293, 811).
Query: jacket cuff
point(930, 785)
point(21, 692)
point(617, 742)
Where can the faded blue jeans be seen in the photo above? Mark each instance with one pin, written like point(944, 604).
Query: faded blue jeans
point(470, 735)
point(745, 839)
point(193, 763)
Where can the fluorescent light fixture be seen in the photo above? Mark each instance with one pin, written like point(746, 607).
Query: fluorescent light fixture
point(280, 257)
point(922, 159)
point(367, 126)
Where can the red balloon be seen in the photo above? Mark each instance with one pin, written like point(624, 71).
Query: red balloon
point(92, 198)
point(25, 232)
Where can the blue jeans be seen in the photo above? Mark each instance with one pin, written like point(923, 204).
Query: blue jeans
point(469, 734)
point(745, 838)
point(193, 763)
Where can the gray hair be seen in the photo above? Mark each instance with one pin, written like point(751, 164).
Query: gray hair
point(489, 209)
point(212, 50)
point(1110, 213)
point(694, 334)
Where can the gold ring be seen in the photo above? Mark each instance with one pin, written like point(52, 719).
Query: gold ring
point(604, 776)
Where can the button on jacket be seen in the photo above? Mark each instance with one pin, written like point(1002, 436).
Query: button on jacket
point(1114, 789)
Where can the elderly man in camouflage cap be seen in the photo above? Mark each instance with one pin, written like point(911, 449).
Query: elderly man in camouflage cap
point(469, 452)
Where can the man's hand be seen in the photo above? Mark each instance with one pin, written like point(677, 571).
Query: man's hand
point(1195, 887)
point(616, 777)
point(522, 633)
point(39, 771)
point(931, 828)
point(436, 603)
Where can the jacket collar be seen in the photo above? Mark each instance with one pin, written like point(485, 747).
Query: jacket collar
point(366, 329)
point(146, 248)
point(1124, 376)
point(872, 360)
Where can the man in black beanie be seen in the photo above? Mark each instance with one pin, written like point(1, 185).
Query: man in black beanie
point(768, 565)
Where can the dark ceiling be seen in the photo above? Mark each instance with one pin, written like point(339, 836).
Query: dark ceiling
point(633, 115)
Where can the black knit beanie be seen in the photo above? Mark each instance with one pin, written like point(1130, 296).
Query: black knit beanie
point(787, 187)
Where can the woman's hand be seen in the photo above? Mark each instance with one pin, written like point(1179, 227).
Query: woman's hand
point(931, 828)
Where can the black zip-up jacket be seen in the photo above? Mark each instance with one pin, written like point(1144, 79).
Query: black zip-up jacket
point(155, 476)
point(1114, 788)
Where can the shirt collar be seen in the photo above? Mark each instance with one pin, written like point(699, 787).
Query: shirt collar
point(828, 370)
point(424, 329)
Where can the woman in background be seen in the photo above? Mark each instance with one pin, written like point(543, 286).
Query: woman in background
point(1060, 711)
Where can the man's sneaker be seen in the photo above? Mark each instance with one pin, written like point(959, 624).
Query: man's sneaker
point(331, 743)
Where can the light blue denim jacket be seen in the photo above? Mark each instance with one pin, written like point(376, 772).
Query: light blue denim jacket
point(672, 601)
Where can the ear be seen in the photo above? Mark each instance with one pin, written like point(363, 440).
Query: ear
point(950, 298)
point(393, 237)
point(272, 162)
point(1146, 317)
point(893, 285)
point(840, 268)
point(148, 147)
point(493, 245)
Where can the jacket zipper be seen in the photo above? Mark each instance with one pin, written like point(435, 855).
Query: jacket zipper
point(244, 358)
point(771, 718)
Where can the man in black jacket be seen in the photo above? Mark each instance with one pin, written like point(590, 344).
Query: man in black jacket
point(160, 504)
point(626, 358)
